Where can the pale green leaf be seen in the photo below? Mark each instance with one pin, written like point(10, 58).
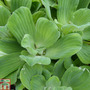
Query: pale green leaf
point(21, 23)
point(65, 47)
point(37, 82)
point(9, 63)
point(77, 78)
point(70, 28)
point(47, 33)
point(59, 68)
point(47, 8)
point(28, 72)
point(28, 43)
point(65, 88)
point(4, 15)
point(65, 10)
point(84, 54)
point(81, 17)
point(36, 60)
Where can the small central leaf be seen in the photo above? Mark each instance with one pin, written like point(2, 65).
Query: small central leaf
point(36, 60)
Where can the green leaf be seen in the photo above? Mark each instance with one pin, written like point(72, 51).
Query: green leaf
point(53, 83)
point(36, 60)
point(49, 2)
point(4, 15)
point(47, 33)
point(46, 73)
point(84, 54)
point(65, 88)
point(70, 28)
point(65, 10)
point(22, 25)
point(9, 63)
point(47, 8)
point(28, 43)
point(77, 62)
point(13, 77)
point(2, 4)
point(49, 67)
point(83, 3)
point(8, 3)
point(37, 15)
point(28, 72)
point(59, 68)
point(77, 78)
point(35, 6)
point(65, 47)
point(81, 17)
point(84, 66)
point(19, 86)
point(86, 33)
point(4, 33)
point(15, 4)
point(68, 62)
point(37, 82)
point(9, 46)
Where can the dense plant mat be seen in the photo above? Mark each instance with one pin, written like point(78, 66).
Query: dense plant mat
point(45, 44)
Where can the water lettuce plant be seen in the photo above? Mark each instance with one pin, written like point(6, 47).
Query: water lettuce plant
point(45, 44)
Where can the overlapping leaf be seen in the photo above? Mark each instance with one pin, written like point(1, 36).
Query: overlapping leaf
point(65, 10)
point(13, 77)
point(77, 78)
point(21, 23)
point(53, 83)
point(4, 33)
point(28, 43)
point(72, 28)
point(47, 7)
point(59, 68)
point(68, 62)
point(47, 33)
point(38, 82)
point(83, 3)
point(37, 15)
point(15, 4)
point(4, 15)
point(28, 72)
point(86, 34)
point(36, 60)
point(84, 54)
point(65, 47)
point(9, 63)
point(9, 46)
point(81, 17)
